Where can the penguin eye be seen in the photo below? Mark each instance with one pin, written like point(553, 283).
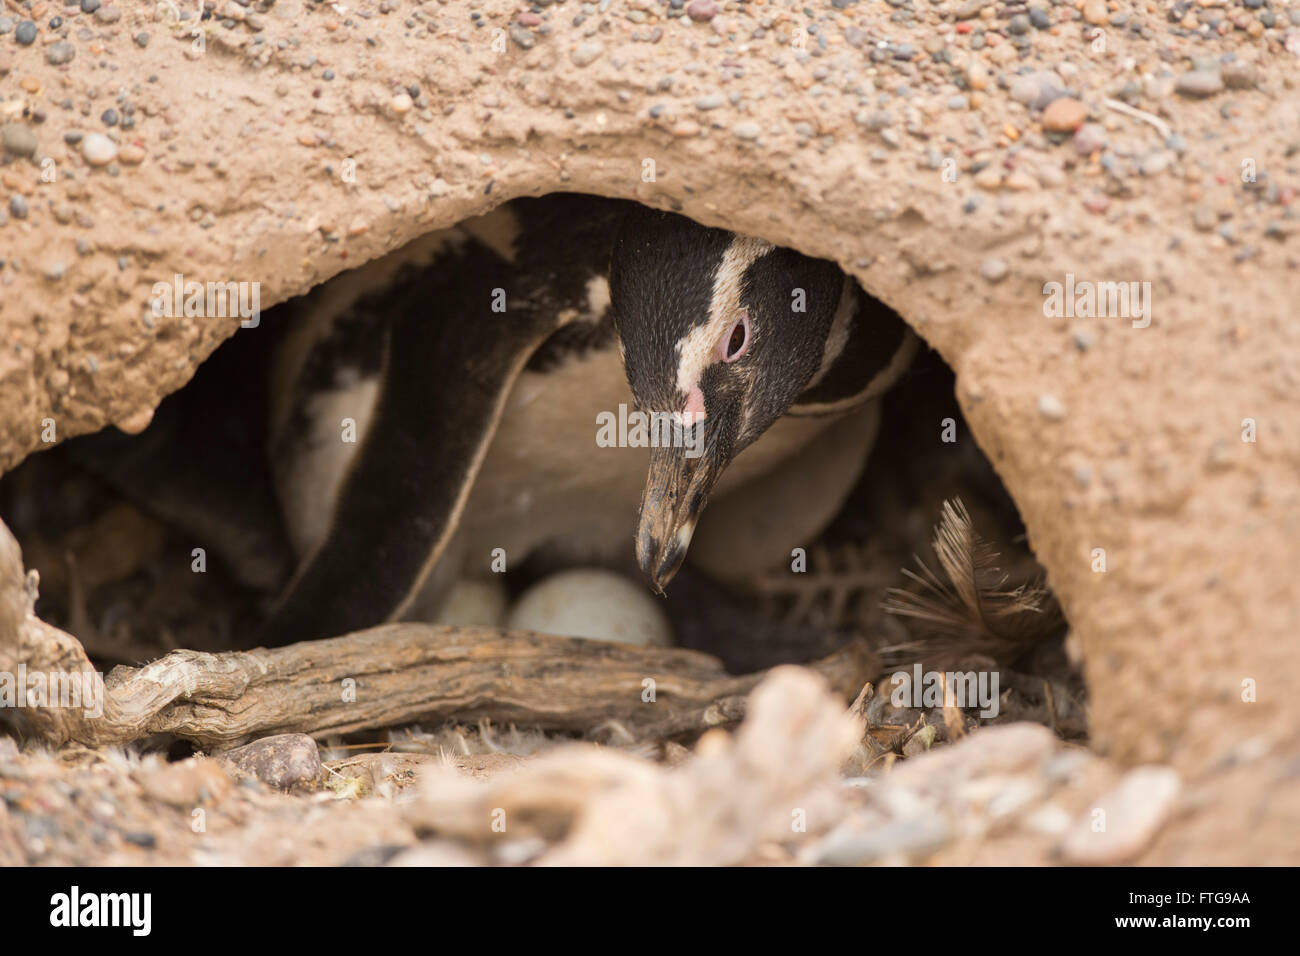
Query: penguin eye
point(736, 342)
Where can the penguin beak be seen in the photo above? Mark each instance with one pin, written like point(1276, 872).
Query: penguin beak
point(675, 493)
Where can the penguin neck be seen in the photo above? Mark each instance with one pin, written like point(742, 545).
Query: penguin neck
point(867, 350)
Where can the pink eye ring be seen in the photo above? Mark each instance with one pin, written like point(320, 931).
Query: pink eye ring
point(735, 343)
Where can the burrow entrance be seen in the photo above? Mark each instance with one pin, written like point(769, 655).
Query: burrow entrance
point(178, 538)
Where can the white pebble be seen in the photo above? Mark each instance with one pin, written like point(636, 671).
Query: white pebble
point(98, 149)
point(994, 269)
point(1051, 407)
point(584, 54)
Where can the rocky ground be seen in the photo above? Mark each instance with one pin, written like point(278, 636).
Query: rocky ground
point(475, 796)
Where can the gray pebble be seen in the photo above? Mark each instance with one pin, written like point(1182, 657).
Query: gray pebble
point(59, 53)
point(1239, 76)
point(1036, 90)
point(1089, 138)
point(1199, 83)
point(746, 129)
point(26, 33)
point(18, 139)
point(522, 37)
point(710, 102)
point(18, 207)
point(876, 120)
point(910, 838)
point(586, 53)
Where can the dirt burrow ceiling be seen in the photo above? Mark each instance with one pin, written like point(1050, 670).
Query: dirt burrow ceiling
point(955, 157)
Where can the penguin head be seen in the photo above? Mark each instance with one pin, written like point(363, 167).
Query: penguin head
point(720, 334)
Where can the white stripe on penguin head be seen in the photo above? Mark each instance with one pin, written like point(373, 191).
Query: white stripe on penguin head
point(697, 350)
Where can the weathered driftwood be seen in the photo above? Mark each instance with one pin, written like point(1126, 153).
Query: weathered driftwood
point(389, 675)
point(401, 673)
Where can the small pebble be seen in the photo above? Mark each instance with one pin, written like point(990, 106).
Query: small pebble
point(1199, 83)
point(1051, 407)
point(89, 6)
point(1089, 138)
point(59, 53)
point(746, 129)
point(286, 762)
point(905, 839)
point(26, 33)
point(18, 207)
point(1239, 76)
point(522, 38)
point(702, 11)
point(98, 149)
point(1096, 12)
point(876, 120)
point(585, 54)
point(1064, 115)
point(994, 269)
point(18, 139)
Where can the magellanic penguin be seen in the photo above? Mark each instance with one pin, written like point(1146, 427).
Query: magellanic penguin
point(454, 419)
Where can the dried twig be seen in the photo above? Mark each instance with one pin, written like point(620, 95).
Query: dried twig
point(1150, 118)
point(386, 676)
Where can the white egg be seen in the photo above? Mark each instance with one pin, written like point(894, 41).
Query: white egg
point(592, 603)
point(473, 601)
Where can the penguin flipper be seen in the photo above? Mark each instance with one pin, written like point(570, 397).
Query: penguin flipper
point(445, 381)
